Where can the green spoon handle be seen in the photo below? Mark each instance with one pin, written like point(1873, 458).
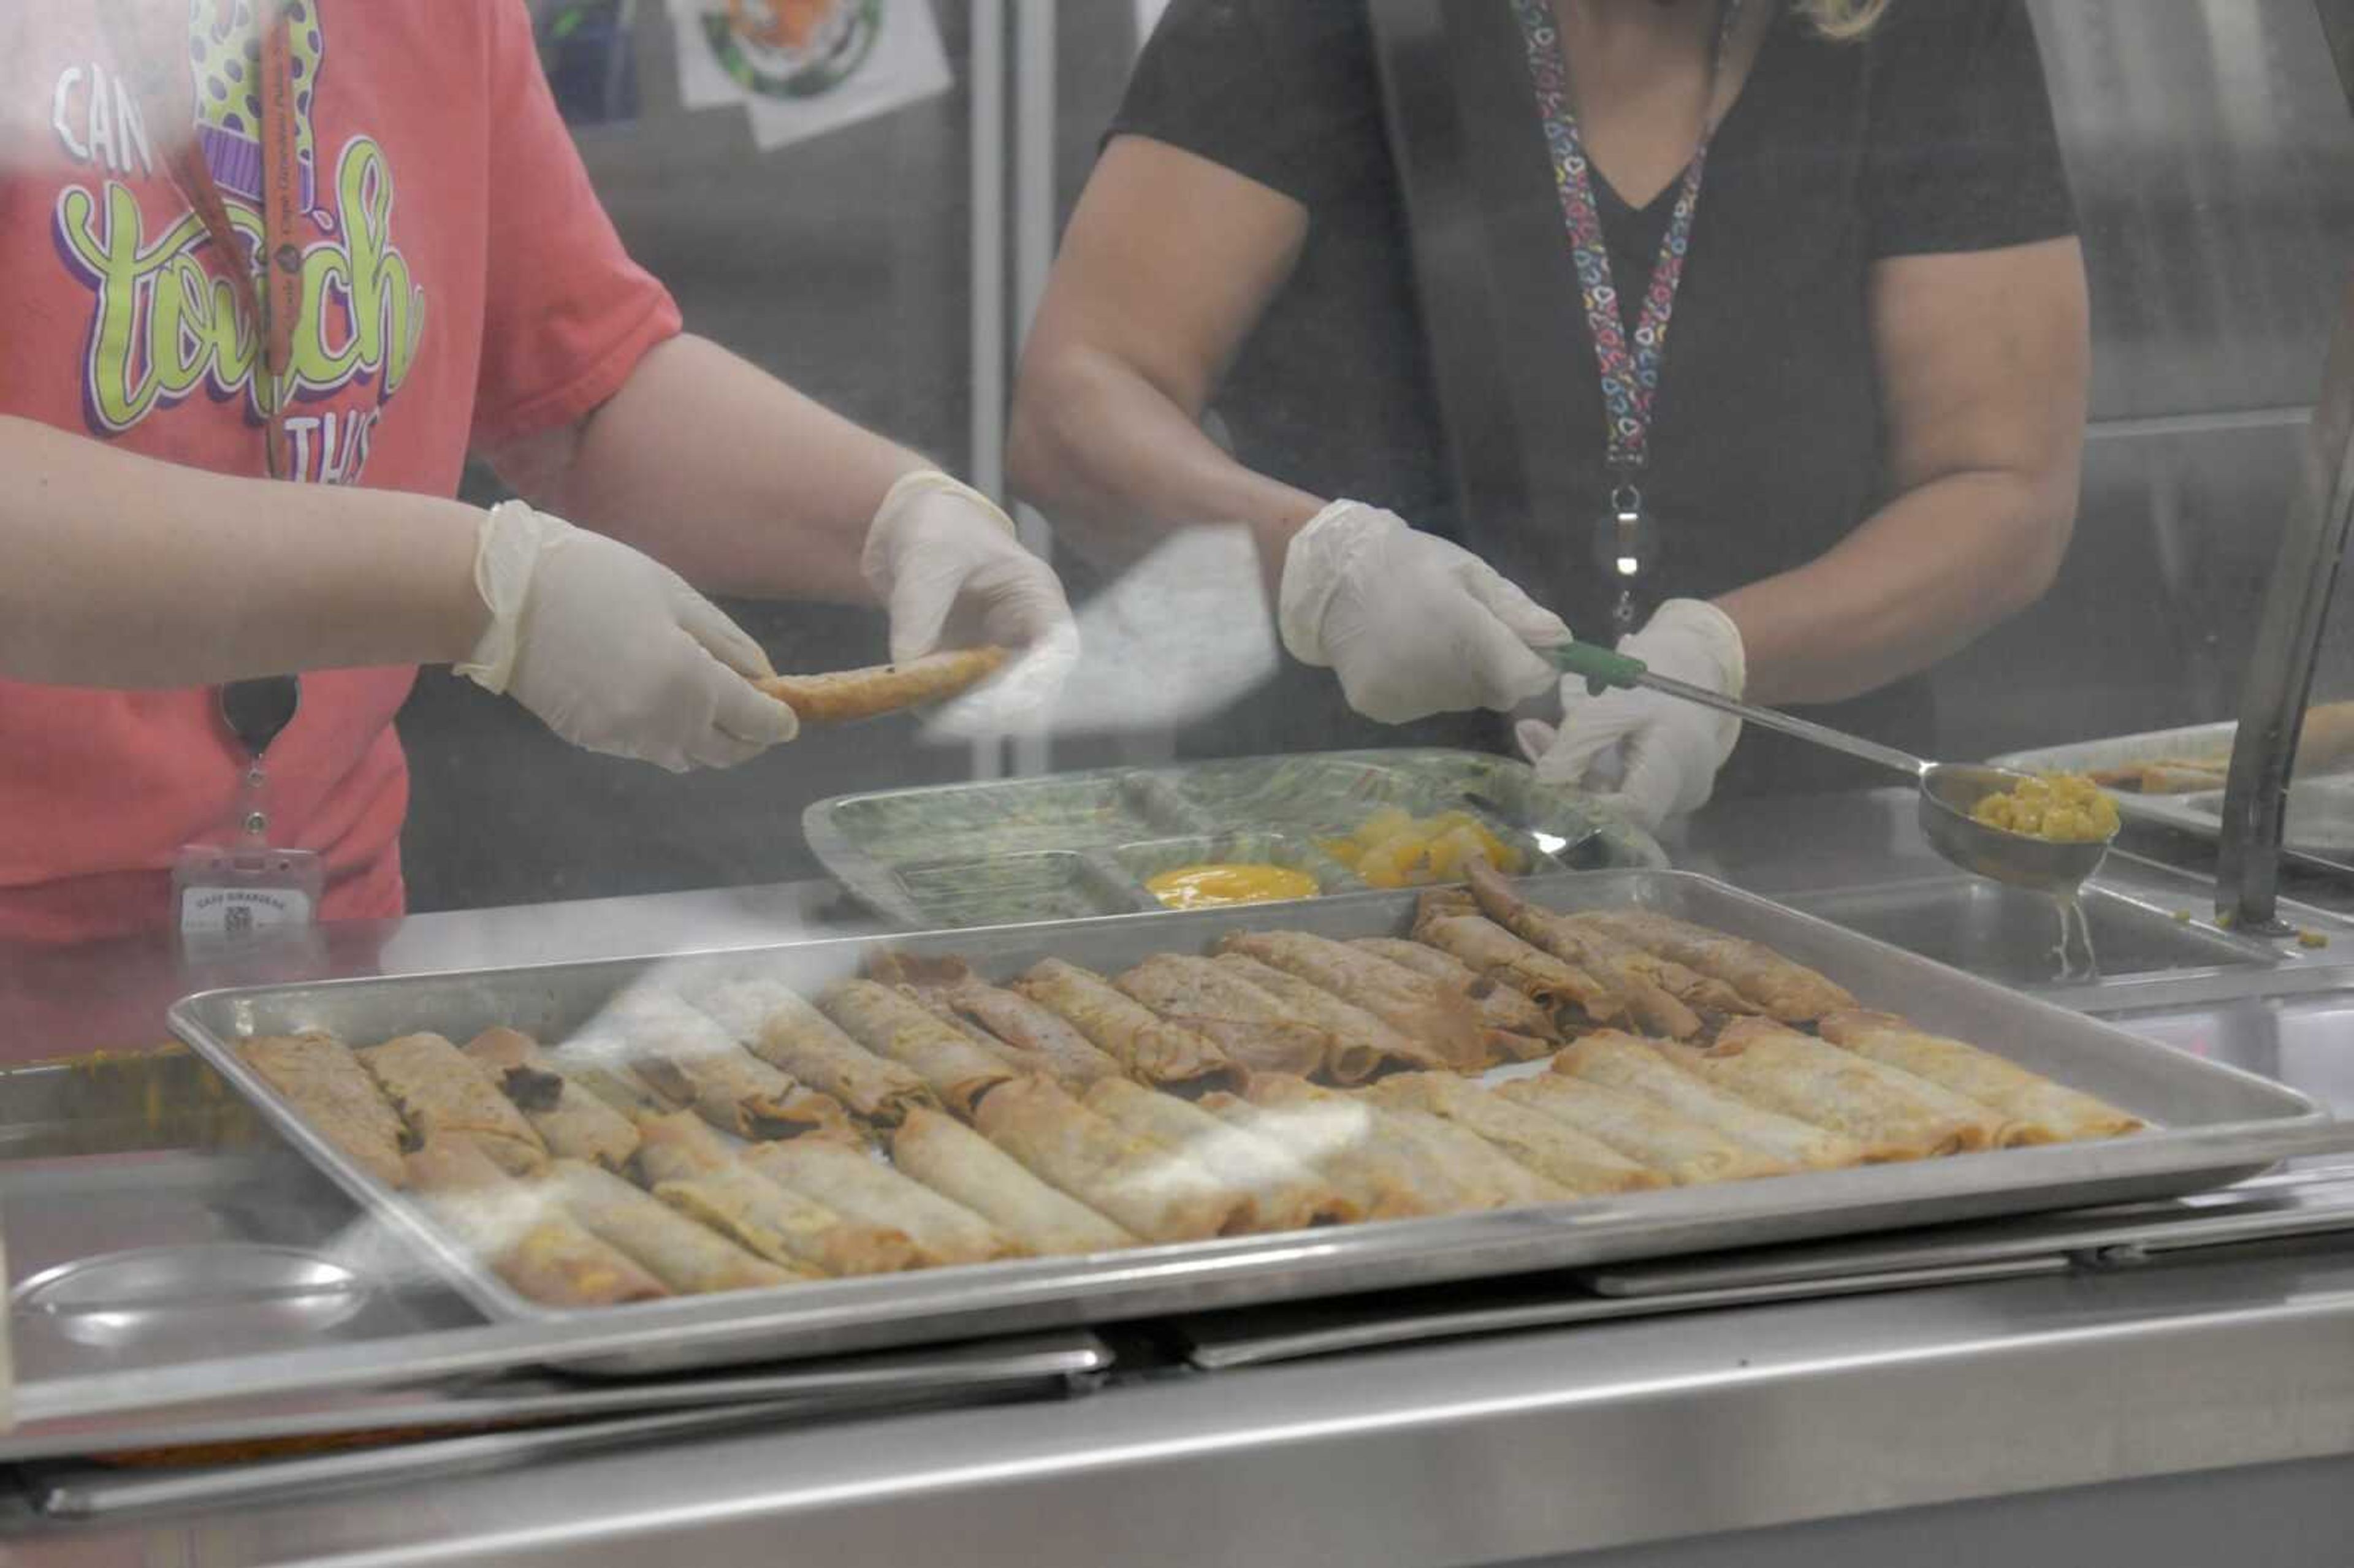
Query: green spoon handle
point(1601, 667)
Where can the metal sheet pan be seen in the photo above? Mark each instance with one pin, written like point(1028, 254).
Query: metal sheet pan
point(2216, 1125)
point(1076, 844)
point(2320, 806)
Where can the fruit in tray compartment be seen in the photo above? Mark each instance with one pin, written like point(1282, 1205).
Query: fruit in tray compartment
point(1392, 848)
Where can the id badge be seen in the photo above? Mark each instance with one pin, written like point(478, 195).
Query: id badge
point(250, 894)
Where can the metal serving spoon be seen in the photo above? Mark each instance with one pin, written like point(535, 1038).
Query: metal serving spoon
point(1947, 789)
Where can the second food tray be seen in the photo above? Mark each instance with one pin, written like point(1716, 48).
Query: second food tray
point(1071, 845)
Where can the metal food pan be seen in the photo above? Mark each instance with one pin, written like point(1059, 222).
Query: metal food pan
point(2320, 814)
point(2320, 806)
point(935, 857)
point(2215, 1125)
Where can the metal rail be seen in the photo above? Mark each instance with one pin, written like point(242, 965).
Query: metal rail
point(2288, 642)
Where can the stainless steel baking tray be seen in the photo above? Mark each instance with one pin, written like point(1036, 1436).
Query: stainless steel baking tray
point(1076, 844)
point(2320, 806)
point(2217, 1124)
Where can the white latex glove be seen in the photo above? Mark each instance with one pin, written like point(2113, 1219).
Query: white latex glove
point(1412, 624)
point(613, 651)
point(948, 565)
point(1659, 755)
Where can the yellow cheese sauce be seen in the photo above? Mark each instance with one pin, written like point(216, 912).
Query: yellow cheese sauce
point(1211, 886)
point(2065, 808)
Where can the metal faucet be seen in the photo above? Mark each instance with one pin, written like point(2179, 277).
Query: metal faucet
point(2288, 643)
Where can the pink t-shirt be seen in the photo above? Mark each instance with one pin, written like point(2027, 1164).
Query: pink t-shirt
point(461, 285)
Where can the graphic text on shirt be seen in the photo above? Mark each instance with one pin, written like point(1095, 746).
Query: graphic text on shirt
point(163, 323)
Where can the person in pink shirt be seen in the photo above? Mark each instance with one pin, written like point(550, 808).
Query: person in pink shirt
point(271, 270)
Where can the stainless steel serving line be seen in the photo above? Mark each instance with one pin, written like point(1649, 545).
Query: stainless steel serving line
point(1920, 1396)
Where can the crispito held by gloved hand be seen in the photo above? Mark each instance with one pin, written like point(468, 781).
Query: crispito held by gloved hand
point(613, 651)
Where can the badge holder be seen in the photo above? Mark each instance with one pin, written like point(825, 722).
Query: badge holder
point(1626, 544)
point(247, 893)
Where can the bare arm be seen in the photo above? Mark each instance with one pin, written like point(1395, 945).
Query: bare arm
point(1169, 262)
point(118, 570)
point(1983, 362)
point(721, 471)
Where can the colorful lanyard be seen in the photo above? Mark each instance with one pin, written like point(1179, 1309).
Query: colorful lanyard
point(254, 711)
point(160, 77)
point(1630, 377)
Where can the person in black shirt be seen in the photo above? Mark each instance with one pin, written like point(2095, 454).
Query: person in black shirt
point(1864, 447)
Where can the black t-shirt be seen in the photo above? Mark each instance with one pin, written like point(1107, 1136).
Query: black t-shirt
point(1934, 134)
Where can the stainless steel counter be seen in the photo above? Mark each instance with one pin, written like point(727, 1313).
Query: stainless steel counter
point(1496, 1451)
point(2167, 1413)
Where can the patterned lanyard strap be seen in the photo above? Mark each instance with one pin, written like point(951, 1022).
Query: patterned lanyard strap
point(1630, 378)
point(159, 75)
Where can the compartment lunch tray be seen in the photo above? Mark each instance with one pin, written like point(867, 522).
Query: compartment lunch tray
point(1070, 845)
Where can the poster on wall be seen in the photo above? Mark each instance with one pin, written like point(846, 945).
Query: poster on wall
point(801, 68)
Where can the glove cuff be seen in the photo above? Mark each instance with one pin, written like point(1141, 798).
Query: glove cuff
point(1712, 629)
point(507, 545)
point(876, 561)
point(1311, 575)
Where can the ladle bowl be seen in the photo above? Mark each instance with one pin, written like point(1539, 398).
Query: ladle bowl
point(1947, 791)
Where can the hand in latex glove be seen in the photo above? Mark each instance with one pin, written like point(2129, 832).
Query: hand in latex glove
point(613, 651)
point(1412, 624)
point(948, 565)
point(1658, 753)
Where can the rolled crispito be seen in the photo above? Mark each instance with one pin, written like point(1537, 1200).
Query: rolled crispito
point(1340, 1131)
point(1686, 1151)
point(959, 1163)
point(1248, 1023)
point(1288, 1194)
point(1440, 1019)
point(852, 1182)
point(841, 695)
point(526, 1237)
point(1039, 1033)
point(1500, 1006)
point(1153, 1049)
point(683, 1254)
point(572, 1122)
point(318, 1075)
point(1892, 1113)
point(1160, 1195)
point(443, 1096)
point(2034, 1108)
point(1544, 1144)
point(778, 1025)
point(1360, 1044)
point(698, 1175)
point(1646, 1003)
point(1483, 944)
point(1782, 987)
point(896, 1026)
point(1623, 1062)
point(685, 1054)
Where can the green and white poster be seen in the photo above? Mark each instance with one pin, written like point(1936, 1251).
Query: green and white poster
point(801, 68)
